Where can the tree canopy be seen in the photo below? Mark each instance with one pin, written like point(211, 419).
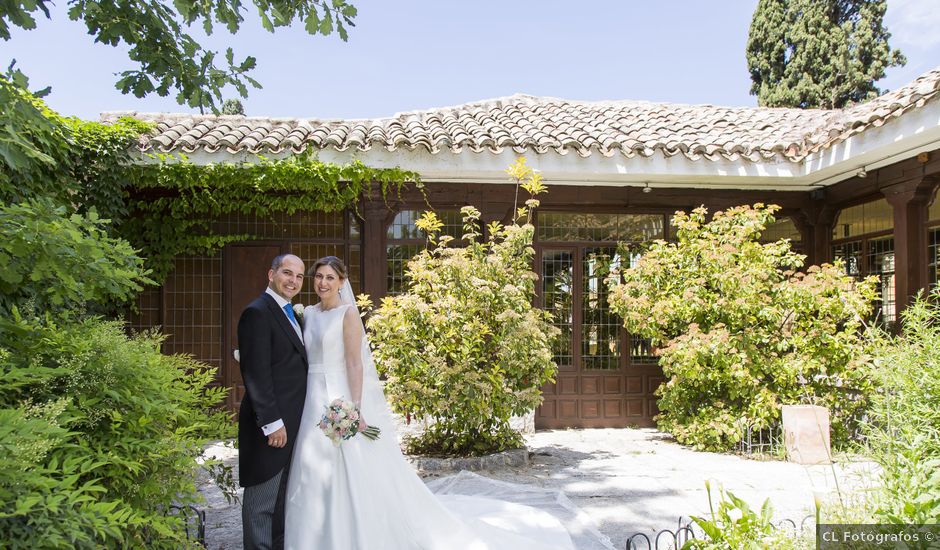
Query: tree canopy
point(818, 53)
point(167, 56)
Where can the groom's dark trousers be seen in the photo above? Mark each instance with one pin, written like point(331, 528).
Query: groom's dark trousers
point(274, 369)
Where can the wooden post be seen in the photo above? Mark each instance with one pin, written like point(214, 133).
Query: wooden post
point(375, 220)
point(909, 199)
point(815, 225)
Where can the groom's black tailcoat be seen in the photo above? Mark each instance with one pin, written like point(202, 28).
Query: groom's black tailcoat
point(274, 368)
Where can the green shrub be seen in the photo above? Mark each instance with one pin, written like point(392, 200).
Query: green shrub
point(740, 332)
point(100, 434)
point(464, 347)
point(62, 262)
point(904, 427)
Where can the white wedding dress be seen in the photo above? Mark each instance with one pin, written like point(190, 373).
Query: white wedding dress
point(364, 495)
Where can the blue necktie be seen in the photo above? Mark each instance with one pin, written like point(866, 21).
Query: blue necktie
point(289, 310)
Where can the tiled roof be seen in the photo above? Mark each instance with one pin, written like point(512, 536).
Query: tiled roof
point(525, 124)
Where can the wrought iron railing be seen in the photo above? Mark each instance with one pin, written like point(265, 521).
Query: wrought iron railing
point(761, 440)
point(194, 520)
point(686, 530)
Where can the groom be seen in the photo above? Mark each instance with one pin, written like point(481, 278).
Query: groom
point(274, 367)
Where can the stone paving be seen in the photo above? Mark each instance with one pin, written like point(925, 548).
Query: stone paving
point(627, 480)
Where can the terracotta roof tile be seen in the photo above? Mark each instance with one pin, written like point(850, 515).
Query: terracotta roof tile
point(542, 124)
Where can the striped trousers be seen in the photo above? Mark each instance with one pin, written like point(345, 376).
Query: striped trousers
point(263, 513)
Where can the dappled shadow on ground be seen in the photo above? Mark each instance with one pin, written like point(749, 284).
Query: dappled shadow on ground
point(611, 485)
point(627, 481)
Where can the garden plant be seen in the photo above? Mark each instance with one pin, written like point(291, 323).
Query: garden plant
point(740, 331)
point(463, 347)
point(100, 432)
point(903, 428)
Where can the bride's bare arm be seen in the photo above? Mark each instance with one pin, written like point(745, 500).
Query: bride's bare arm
point(352, 341)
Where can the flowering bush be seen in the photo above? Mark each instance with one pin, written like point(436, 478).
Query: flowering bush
point(740, 332)
point(464, 347)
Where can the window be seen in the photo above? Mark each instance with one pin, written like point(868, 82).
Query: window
point(862, 239)
point(557, 284)
point(783, 228)
point(600, 327)
point(933, 242)
point(933, 255)
point(564, 226)
point(405, 241)
point(578, 252)
point(864, 219)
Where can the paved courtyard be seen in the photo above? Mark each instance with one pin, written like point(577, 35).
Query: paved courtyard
point(629, 480)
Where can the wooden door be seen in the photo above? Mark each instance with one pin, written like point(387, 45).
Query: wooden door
point(246, 277)
point(605, 377)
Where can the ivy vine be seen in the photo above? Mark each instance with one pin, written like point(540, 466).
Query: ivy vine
point(164, 206)
point(174, 201)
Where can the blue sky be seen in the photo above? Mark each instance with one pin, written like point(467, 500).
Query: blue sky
point(416, 54)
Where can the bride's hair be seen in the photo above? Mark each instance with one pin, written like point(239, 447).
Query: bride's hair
point(332, 261)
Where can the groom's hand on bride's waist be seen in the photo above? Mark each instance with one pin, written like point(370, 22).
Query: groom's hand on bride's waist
point(278, 438)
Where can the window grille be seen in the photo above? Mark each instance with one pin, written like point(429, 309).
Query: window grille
point(405, 241)
point(600, 327)
point(192, 308)
point(863, 219)
point(933, 255)
point(862, 244)
point(783, 228)
point(567, 226)
point(557, 285)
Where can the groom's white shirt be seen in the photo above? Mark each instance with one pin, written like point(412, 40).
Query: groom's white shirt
point(269, 429)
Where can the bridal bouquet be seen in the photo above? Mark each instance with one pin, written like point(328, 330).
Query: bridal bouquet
point(341, 421)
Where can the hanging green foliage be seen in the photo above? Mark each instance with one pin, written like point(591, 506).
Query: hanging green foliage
point(174, 202)
point(164, 205)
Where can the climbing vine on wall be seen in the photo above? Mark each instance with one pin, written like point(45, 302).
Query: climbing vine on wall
point(164, 205)
point(174, 202)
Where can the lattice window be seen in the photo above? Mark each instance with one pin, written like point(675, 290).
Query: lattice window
point(600, 327)
point(569, 226)
point(280, 225)
point(881, 263)
point(865, 252)
point(557, 286)
point(933, 241)
point(851, 255)
point(878, 259)
point(193, 308)
point(146, 314)
point(403, 226)
point(783, 228)
point(671, 225)
point(397, 257)
point(933, 255)
point(871, 217)
point(405, 241)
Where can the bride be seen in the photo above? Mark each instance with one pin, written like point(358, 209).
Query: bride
point(363, 494)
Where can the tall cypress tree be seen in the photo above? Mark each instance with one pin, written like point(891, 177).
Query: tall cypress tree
point(818, 53)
